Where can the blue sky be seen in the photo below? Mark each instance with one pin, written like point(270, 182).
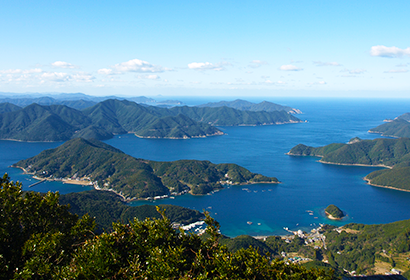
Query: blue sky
point(228, 48)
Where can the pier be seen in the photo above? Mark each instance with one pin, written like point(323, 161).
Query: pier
point(36, 183)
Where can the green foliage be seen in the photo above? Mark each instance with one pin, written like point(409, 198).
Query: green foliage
point(107, 207)
point(386, 152)
point(334, 211)
point(134, 178)
point(36, 232)
point(399, 127)
point(40, 239)
point(398, 177)
point(226, 116)
point(105, 119)
point(359, 249)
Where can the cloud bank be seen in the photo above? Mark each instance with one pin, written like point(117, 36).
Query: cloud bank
point(390, 52)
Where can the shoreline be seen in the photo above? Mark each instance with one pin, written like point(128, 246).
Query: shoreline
point(356, 164)
point(336, 163)
point(329, 216)
point(90, 183)
point(368, 182)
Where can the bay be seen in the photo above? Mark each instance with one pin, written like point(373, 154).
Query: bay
point(264, 209)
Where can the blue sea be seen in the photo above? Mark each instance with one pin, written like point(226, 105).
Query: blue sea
point(306, 187)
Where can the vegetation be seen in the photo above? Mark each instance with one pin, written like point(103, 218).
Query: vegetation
point(400, 127)
point(107, 207)
point(394, 153)
point(105, 119)
point(249, 106)
point(109, 168)
point(8, 107)
point(40, 239)
point(334, 211)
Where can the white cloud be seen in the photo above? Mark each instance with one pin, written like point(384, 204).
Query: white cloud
point(205, 66)
point(56, 76)
point(63, 64)
point(391, 52)
point(290, 68)
point(354, 71)
point(83, 77)
point(318, 83)
point(106, 71)
point(320, 63)
point(257, 63)
point(397, 71)
point(11, 71)
point(148, 77)
point(32, 71)
point(139, 66)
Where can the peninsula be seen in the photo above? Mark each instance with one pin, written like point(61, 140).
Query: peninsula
point(399, 127)
point(393, 154)
point(108, 168)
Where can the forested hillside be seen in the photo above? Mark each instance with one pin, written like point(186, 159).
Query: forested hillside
point(392, 153)
point(41, 239)
point(108, 168)
point(110, 117)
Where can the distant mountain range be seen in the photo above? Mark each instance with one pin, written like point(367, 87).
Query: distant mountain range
point(110, 169)
point(110, 117)
point(391, 153)
point(399, 127)
point(77, 101)
point(249, 106)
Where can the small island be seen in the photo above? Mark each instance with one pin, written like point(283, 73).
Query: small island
point(334, 213)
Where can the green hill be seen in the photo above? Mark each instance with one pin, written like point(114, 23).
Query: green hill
point(110, 117)
point(40, 123)
point(396, 128)
point(8, 107)
point(109, 168)
point(107, 207)
point(226, 116)
point(392, 153)
point(250, 106)
point(334, 212)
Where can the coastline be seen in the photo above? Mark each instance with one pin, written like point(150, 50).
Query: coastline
point(329, 216)
point(124, 198)
point(336, 163)
point(368, 182)
point(355, 164)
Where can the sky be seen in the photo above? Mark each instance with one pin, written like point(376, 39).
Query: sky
point(206, 48)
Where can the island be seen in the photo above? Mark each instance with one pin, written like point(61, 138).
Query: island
point(112, 117)
point(333, 212)
point(392, 154)
point(92, 162)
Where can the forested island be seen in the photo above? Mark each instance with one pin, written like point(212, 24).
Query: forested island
point(112, 117)
point(334, 213)
point(105, 167)
point(394, 154)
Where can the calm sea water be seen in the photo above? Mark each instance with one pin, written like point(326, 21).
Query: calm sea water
point(306, 184)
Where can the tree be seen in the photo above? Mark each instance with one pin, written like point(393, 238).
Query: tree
point(37, 234)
